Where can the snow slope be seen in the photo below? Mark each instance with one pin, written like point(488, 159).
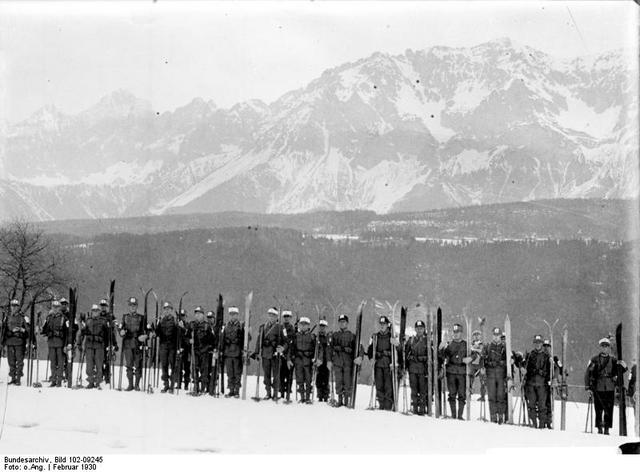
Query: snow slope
point(58, 421)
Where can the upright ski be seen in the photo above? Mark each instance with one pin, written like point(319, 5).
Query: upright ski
point(622, 405)
point(112, 295)
point(245, 352)
point(563, 380)
point(436, 363)
point(403, 363)
point(356, 370)
point(507, 333)
point(469, 326)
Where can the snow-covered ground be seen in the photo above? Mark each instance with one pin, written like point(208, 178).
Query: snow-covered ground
point(59, 420)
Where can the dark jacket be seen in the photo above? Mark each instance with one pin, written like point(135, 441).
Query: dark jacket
point(233, 339)
point(416, 353)
point(303, 347)
point(383, 349)
point(167, 331)
point(323, 347)
point(203, 337)
point(96, 333)
point(133, 325)
point(494, 358)
point(602, 373)
point(537, 368)
point(342, 347)
point(454, 353)
point(55, 329)
point(273, 336)
point(16, 330)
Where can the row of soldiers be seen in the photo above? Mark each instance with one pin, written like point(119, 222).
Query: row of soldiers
point(284, 350)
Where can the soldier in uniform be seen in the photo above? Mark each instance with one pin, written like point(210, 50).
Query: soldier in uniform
point(134, 335)
point(342, 353)
point(202, 332)
point(493, 367)
point(167, 331)
point(96, 334)
point(286, 377)
point(537, 379)
point(70, 339)
point(211, 323)
point(300, 357)
point(15, 337)
point(232, 347)
point(416, 353)
point(546, 347)
point(111, 345)
point(55, 329)
point(384, 343)
point(183, 352)
point(322, 371)
point(271, 352)
point(454, 354)
point(600, 381)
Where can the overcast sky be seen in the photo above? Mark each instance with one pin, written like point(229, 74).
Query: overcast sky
point(71, 55)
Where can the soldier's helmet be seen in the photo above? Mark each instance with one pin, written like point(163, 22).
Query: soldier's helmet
point(64, 301)
point(497, 332)
point(104, 302)
point(457, 328)
point(343, 317)
point(55, 303)
point(304, 320)
point(419, 324)
point(233, 309)
point(546, 343)
point(273, 311)
point(95, 307)
point(133, 301)
point(383, 320)
point(209, 314)
point(476, 332)
point(604, 342)
point(286, 313)
point(537, 339)
point(323, 323)
point(167, 305)
point(198, 310)
point(15, 302)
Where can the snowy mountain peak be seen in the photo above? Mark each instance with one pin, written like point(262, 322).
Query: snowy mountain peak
point(434, 128)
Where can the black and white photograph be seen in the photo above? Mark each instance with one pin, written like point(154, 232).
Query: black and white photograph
point(316, 229)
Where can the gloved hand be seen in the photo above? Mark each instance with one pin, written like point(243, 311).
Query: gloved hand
point(181, 324)
point(318, 362)
point(122, 332)
point(280, 349)
point(289, 364)
point(466, 360)
point(215, 354)
point(442, 345)
point(357, 360)
point(83, 325)
point(483, 371)
point(622, 364)
point(68, 347)
point(394, 341)
point(190, 341)
point(179, 351)
point(329, 365)
point(15, 330)
point(142, 338)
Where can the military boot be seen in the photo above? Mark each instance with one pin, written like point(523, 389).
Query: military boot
point(452, 406)
point(461, 409)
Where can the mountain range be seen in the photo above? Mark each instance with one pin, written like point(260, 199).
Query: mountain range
point(437, 128)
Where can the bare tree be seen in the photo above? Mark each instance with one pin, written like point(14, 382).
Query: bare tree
point(31, 266)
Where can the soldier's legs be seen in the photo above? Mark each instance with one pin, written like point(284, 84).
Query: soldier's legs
point(98, 363)
point(322, 382)
point(501, 395)
point(598, 405)
point(137, 366)
point(128, 362)
point(388, 389)
point(347, 372)
point(284, 378)
point(492, 392)
point(106, 365)
point(541, 393)
point(60, 358)
point(452, 390)
point(413, 385)
point(461, 387)
point(607, 399)
point(338, 378)
point(186, 367)
point(90, 364)
point(299, 373)
point(11, 358)
point(307, 380)
point(422, 392)
point(267, 374)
